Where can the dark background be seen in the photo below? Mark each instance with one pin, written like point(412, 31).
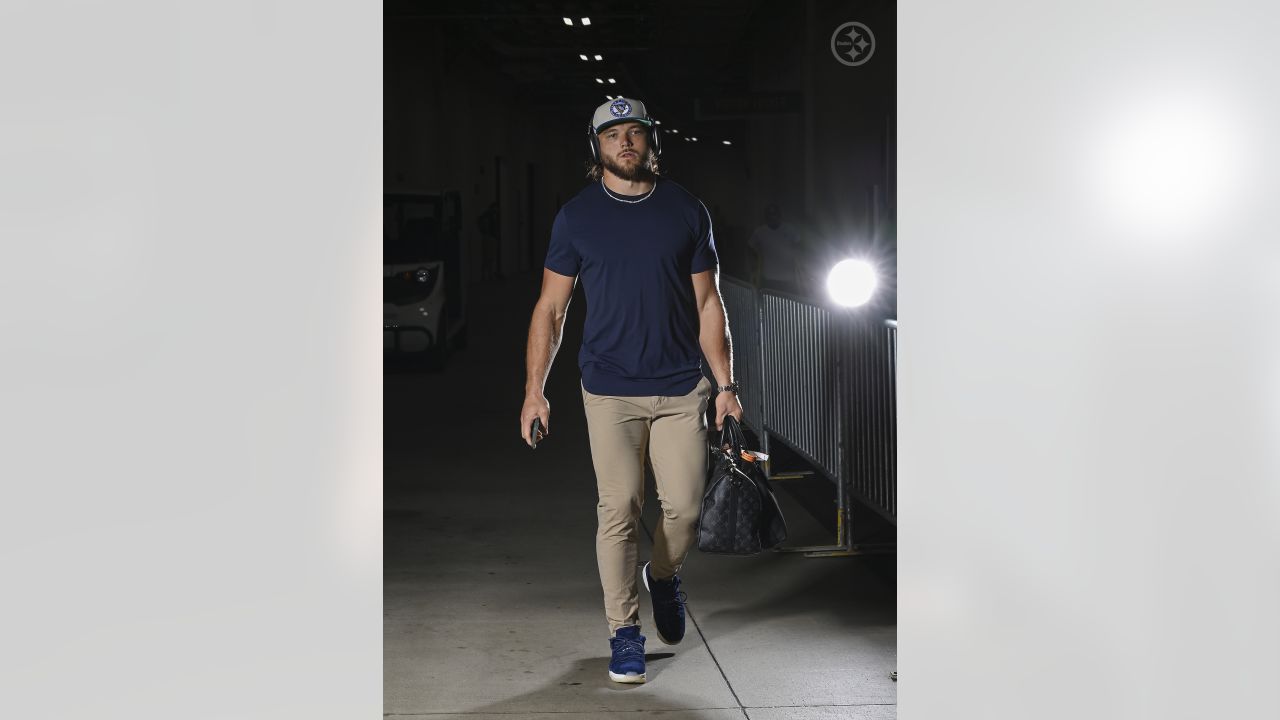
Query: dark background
point(491, 99)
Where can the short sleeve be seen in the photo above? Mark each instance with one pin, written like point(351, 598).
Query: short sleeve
point(562, 257)
point(704, 250)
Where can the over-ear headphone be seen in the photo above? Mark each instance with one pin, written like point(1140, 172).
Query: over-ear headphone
point(655, 139)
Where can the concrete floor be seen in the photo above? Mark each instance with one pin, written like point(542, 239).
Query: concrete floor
point(492, 603)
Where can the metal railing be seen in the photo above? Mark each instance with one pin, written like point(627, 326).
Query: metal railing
point(801, 397)
point(823, 384)
point(869, 371)
point(741, 301)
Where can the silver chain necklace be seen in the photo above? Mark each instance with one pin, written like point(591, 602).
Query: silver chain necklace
point(629, 202)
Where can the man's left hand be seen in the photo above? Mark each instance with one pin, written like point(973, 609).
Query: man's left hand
point(727, 404)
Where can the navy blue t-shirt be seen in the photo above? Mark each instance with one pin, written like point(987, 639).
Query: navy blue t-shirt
point(634, 260)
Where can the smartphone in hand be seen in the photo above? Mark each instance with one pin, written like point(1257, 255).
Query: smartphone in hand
point(535, 433)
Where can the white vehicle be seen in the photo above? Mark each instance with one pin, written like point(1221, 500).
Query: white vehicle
point(422, 312)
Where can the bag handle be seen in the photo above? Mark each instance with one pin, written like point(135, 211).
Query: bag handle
point(736, 439)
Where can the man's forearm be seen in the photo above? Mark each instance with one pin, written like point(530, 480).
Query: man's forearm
point(717, 346)
point(544, 340)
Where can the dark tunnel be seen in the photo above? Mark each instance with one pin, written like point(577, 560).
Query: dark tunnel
point(780, 119)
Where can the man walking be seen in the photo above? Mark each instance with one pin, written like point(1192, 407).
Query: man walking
point(644, 250)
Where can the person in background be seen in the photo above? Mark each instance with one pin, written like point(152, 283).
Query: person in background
point(778, 249)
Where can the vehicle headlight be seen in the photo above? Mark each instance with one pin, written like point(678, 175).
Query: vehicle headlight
point(410, 287)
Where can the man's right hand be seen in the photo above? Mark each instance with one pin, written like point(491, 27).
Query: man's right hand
point(535, 407)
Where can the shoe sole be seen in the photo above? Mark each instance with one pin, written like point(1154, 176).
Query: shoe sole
point(644, 575)
point(630, 678)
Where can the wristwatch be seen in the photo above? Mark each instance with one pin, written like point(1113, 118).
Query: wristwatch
point(731, 387)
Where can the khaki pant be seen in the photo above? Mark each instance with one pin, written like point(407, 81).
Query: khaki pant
point(673, 432)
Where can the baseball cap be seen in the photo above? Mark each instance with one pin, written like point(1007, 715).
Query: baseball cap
point(620, 110)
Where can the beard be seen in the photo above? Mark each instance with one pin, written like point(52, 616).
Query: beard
point(641, 169)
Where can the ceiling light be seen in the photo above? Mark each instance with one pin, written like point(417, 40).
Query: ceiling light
point(726, 142)
point(612, 81)
point(599, 81)
point(584, 57)
point(599, 58)
point(567, 21)
point(694, 139)
point(586, 21)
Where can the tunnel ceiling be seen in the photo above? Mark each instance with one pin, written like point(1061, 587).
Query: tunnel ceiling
point(665, 53)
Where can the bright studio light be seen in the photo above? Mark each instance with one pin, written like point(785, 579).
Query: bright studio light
point(851, 282)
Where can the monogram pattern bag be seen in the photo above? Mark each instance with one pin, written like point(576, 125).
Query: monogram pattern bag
point(740, 515)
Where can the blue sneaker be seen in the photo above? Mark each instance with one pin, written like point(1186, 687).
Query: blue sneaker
point(668, 606)
point(627, 665)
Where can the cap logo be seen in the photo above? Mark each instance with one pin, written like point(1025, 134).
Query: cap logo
point(620, 108)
